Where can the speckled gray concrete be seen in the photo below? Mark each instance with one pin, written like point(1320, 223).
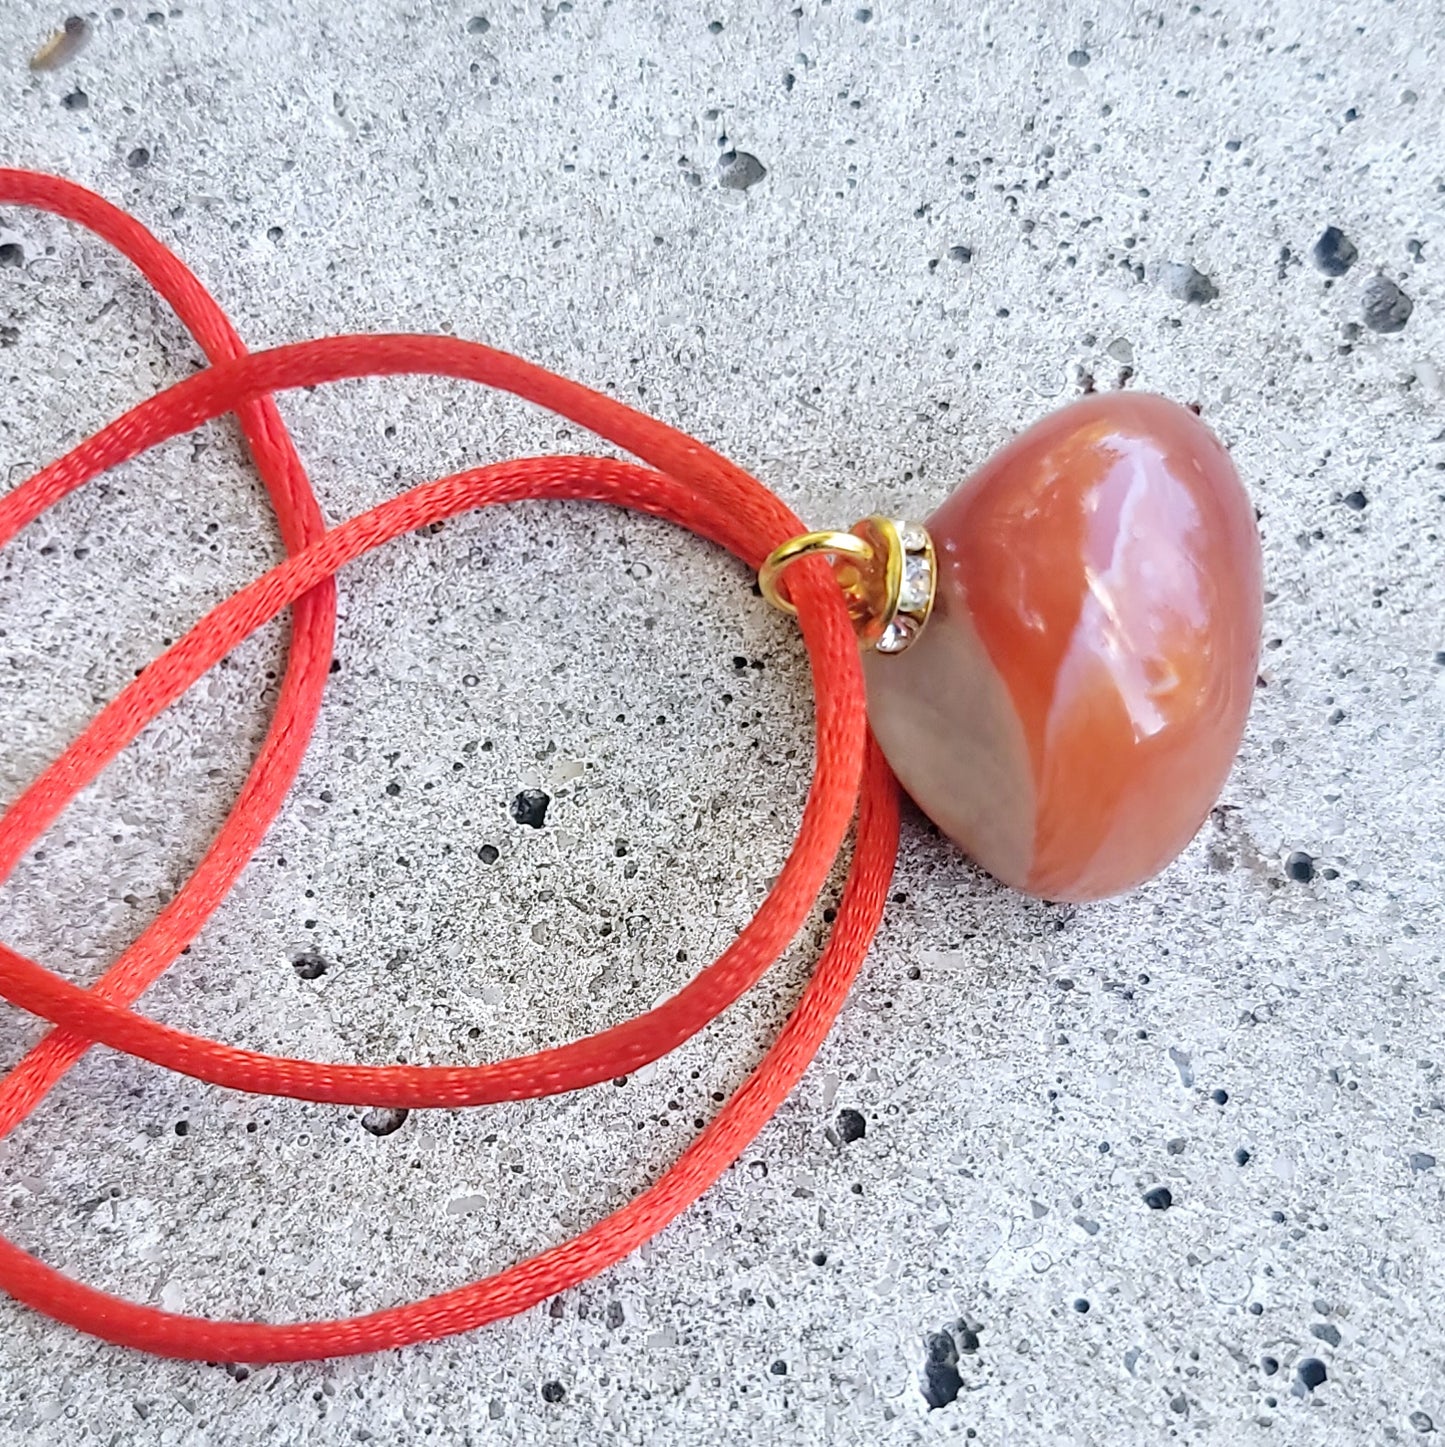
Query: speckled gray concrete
point(968, 215)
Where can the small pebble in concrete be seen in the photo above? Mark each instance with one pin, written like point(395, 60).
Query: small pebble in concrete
point(1185, 283)
point(779, 1368)
point(1326, 1332)
point(739, 170)
point(383, 1120)
point(1385, 307)
point(1079, 58)
point(1311, 1372)
point(553, 1391)
point(530, 808)
point(1422, 1161)
point(309, 966)
point(1422, 1422)
point(1161, 1198)
point(478, 25)
point(941, 1382)
point(1334, 253)
point(850, 1126)
point(77, 100)
point(1356, 501)
point(1300, 867)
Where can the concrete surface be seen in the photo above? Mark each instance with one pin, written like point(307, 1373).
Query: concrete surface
point(967, 213)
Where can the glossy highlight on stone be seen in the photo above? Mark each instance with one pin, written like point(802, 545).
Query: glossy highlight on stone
point(1073, 708)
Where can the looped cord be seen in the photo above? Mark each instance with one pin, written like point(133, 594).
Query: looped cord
point(684, 483)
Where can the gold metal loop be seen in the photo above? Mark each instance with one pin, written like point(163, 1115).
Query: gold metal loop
point(888, 572)
point(809, 545)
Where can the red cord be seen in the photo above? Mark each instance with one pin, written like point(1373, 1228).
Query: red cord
point(687, 484)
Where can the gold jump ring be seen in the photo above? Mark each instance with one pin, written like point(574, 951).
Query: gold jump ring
point(809, 545)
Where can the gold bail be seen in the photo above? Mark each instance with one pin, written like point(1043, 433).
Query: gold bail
point(886, 569)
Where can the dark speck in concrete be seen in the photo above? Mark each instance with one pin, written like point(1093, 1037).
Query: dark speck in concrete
point(1241, 1157)
point(1356, 501)
point(941, 1381)
point(1300, 867)
point(1334, 253)
point(1161, 1198)
point(1422, 1161)
point(1385, 307)
point(77, 100)
point(1184, 283)
point(740, 170)
point(850, 1126)
point(960, 253)
point(530, 808)
point(1311, 1372)
point(779, 1368)
point(1078, 59)
point(383, 1120)
point(553, 1391)
point(1326, 1332)
point(478, 25)
point(309, 966)
point(1268, 1365)
point(489, 853)
point(1081, 1305)
point(138, 158)
point(1219, 1097)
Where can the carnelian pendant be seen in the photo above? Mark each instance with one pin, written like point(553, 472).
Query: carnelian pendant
point(1072, 708)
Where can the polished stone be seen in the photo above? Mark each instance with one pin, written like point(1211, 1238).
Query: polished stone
point(1079, 695)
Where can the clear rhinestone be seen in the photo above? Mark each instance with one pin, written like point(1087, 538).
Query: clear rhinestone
point(913, 536)
point(917, 583)
point(897, 635)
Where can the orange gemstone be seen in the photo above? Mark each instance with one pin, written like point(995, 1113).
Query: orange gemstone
point(1077, 699)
